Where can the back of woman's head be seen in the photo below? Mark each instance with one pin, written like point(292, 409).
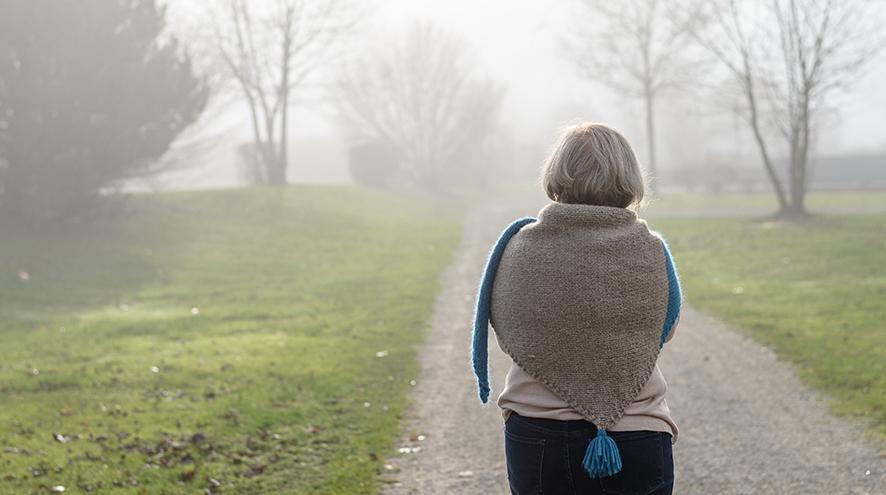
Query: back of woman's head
point(594, 165)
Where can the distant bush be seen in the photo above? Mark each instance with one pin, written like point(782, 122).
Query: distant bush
point(422, 94)
point(374, 164)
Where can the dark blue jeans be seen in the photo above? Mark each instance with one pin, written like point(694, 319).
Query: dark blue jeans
point(544, 457)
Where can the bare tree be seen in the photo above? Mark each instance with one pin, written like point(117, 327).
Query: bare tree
point(788, 58)
point(635, 48)
point(421, 96)
point(267, 49)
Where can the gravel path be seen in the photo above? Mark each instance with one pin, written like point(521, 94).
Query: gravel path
point(747, 425)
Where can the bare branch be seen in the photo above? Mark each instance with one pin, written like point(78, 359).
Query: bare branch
point(270, 48)
point(801, 53)
point(420, 96)
point(636, 47)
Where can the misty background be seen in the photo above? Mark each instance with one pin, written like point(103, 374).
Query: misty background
point(519, 44)
point(240, 239)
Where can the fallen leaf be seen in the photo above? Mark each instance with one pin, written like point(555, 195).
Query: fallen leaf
point(189, 474)
point(212, 486)
point(254, 470)
point(16, 450)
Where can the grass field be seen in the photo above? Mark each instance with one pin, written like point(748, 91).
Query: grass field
point(815, 292)
point(767, 201)
point(257, 341)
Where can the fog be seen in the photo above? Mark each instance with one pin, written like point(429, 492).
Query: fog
point(519, 44)
point(240, 242)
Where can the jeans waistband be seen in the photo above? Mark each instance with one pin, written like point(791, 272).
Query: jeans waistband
point(555, 425)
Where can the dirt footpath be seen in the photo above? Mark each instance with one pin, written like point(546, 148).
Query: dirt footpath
point(747, 424)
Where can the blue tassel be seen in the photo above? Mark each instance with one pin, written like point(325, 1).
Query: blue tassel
point(602, 458)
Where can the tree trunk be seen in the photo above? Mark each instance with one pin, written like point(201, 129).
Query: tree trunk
point(272, 155)
point(277, 173)
point(797, 207)
point(800, 163)
point(284, 138)
point(284, 106)
point(770, 170)
point(261, 173)
point(650, 138)
point(761, 143)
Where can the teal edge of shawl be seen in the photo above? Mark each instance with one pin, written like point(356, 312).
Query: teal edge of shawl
point(480, 345)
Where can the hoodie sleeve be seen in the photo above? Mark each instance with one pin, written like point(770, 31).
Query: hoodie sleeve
point(675, 296)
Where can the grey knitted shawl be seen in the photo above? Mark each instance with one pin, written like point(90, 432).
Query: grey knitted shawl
point(579, 301)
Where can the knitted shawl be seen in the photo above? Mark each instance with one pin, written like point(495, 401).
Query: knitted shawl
point(581, 299)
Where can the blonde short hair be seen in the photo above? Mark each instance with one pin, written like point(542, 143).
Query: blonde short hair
point(593, 164)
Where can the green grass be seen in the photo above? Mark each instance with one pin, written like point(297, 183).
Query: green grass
point(814, 200)
point(274, 386)
point(814, 292)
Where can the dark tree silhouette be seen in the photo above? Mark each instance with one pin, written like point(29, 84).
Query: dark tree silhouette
point(92, 92)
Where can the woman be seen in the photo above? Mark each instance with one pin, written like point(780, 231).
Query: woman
point(583, 299)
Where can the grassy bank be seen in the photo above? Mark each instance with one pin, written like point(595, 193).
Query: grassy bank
point(257, 341)
point(816, 293)
point(766, 201)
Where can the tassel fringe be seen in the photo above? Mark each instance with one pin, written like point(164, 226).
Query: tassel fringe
point(602, 458)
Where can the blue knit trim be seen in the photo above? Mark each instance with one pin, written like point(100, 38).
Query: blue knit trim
point(480, 344)
point(675, 297)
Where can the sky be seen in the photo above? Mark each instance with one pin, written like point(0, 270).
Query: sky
point(517, 43)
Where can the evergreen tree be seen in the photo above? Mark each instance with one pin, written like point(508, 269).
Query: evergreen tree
point(92, 92)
